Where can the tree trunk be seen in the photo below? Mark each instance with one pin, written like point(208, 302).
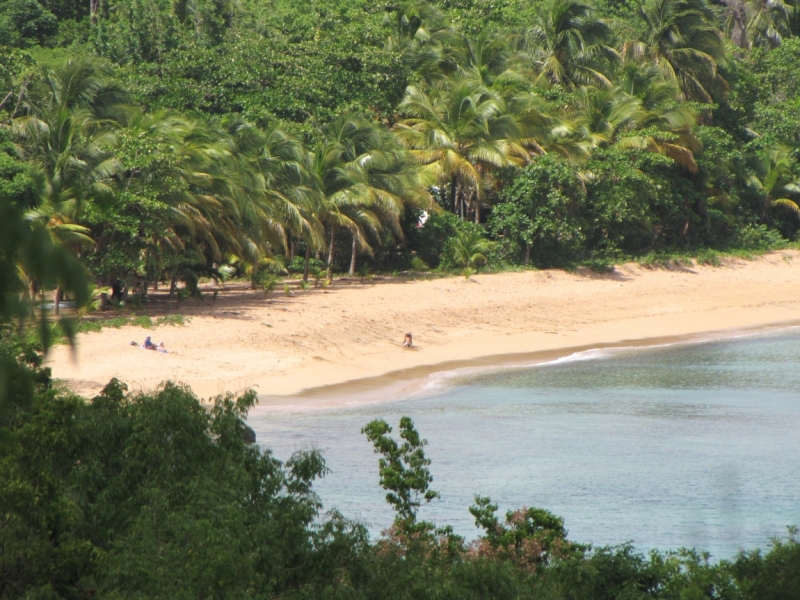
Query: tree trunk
point(292, 250)
point(353, 257)
point(254, 275)
point(305, 263)
point(331, 253)
point(477, 210)
point(172, 285)
point(57, 300)
point(453, 189)
point(93, 11)
point(527, 254)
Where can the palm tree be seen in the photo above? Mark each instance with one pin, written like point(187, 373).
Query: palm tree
point(416, 31)
point(468, 248)
point(411, 26)
point(660, 123)
point(605, 114)
point(483, 58)
point(460, 130)
point(364, 180)
point(280, 193)
point(762, 23)
point(777, 178)
point(682, 39)
point(67, 135)
point(568, 44)
point(770, 21)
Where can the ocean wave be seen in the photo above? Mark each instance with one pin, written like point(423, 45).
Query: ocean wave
point(442, 381)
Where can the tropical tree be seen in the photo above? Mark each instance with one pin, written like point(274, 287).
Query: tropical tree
point(569, 44)
point(762, 23)
point(460, 131)
point(404, 472)
point(28, 252)
point(653, 119)
point(468, 248)
point(778, 180)
point(541, 208)
point(279, 190)
point(364, 179)
point(67, 134)
point(681, 38)
point(417, 32)
point(483, 57)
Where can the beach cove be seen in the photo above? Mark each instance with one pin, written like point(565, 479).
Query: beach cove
point(285, 346)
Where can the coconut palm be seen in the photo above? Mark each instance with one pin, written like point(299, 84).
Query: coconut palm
point(67, 135)
point(660, 123)
point(279, 192)
point(763, 23)
point(460, 130)
point(777, 178)
point(768, 22)
point(417, 31)
point(190, 169)
point(682, 39)
point(483, 57)
point(605, 114)
point(364, 179)
point(569, 44)
point(412, 26)
point(468, 248)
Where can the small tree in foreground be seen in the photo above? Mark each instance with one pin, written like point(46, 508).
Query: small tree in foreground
point(403, 467)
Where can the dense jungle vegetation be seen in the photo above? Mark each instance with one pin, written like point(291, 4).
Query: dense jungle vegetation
point(175, 140)
point(154, 140)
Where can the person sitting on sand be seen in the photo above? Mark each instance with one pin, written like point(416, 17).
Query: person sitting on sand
point(150, 345)
point(407, 343)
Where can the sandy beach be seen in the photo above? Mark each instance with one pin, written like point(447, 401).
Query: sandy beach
point(281, 346)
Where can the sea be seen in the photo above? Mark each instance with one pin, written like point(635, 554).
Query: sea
point(685, 445)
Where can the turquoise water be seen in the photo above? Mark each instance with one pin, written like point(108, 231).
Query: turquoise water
point(680, 446)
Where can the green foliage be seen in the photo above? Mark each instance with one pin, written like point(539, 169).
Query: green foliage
point(155, 496)
point(160, 496)
point(194, 168)
point(403, 467)
point(417, 264)
point(542, 211)
point(759, 238)
point(286, 61)
point(268, 283)
point(529, 537)
point(30, 259)
point(433, 237)
point(25, 23)
point(468, 249)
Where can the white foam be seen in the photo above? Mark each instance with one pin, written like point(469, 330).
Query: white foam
point(441, 381)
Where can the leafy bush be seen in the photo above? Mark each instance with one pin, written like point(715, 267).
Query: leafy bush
point(759, 237)
point(433, 237)
point(417, 264)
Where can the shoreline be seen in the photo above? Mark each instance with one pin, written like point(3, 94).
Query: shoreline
point(407, 384)
point(347, 339)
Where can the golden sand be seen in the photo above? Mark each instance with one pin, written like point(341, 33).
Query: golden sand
point(282, 345)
